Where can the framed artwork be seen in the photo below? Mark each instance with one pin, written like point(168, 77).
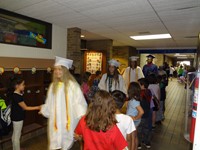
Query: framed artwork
point(93, 62)
point(22, 30)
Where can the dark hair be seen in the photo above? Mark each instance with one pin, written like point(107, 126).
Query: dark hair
point(159, 78)
point(77, 78)
point(135, 65)
point(144, 81)
point(101, 112)
point(119, 98)
point(134, 91)
point(86, 76)
point(98, 73)
point(152, 79)
point(14, 81)
point(115, 77)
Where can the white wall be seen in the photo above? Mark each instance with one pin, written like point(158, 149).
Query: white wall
point(59, 46)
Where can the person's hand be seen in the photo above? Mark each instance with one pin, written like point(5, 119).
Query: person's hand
point(39, 108)
point(78, 137)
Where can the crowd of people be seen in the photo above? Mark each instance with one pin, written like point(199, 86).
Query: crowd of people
point(139, 94)
point(106, 112)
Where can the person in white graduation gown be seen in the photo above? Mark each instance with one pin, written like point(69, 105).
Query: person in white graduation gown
point(64, 106)
point(112, 80)
point(132, 73)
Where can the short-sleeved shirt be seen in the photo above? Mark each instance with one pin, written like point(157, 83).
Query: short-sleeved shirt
point(125, 124)
point(17, 112)
point(109, 140)
point(132, 110)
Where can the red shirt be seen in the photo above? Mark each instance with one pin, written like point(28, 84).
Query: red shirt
point(146, 94)
point(93, 140)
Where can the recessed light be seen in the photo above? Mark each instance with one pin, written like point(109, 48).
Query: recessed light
point(82, 36)
point(151, 37)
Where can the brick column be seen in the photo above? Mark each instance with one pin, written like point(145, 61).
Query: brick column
point(74, 48)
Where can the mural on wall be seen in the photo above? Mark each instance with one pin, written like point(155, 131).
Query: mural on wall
point(93, 62)
point(21, 30)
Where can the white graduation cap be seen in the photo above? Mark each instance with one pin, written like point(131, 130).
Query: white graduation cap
point(133, 58)
point(114, 62)
point(59, 61)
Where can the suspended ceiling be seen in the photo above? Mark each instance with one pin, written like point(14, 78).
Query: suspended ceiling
point(119, 19)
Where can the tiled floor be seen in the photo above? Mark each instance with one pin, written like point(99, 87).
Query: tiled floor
point(168, 136)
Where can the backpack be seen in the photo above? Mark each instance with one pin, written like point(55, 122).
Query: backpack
point(5, 115)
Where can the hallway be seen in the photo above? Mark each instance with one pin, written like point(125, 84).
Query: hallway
point(168, 136)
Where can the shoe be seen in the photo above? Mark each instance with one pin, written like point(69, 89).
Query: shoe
point(139, 146)
point(158, 122)
point(148, 146)
point(153, 127)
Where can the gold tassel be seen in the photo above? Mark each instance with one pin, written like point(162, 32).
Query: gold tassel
point(55, 124)
point(68, 117)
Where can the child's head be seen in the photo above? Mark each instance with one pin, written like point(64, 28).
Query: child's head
point(98, 73)
point(159, 78)
point(17, 84)
point(101, 112)
point(152, 79)
point(143, 83)
point(134, 91)
point(86, 77)
point(119, 98)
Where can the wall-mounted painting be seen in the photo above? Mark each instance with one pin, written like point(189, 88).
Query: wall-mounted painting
point(93, 62)
point(22, 30)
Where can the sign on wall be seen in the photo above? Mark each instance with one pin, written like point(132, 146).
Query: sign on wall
point(93, 62)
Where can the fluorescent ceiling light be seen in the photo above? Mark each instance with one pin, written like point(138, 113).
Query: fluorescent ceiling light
point(151, 37)
point(82, 36)
point(182, 57)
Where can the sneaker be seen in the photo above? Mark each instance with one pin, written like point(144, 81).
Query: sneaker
point(139, 146)
point(148, 146)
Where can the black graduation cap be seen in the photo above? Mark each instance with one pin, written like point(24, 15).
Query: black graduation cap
point(150, 56)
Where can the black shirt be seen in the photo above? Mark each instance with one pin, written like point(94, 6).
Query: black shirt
point(17, 112)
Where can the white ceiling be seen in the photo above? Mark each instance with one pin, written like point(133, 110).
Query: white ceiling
point(119, 19)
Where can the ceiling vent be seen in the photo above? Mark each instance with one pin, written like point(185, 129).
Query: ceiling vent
point(185, 8)
point(191, 37)
point(144, 33)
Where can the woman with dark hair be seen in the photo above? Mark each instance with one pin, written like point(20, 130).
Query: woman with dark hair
point(112, 80)
point(132, 73)
point(98, 128)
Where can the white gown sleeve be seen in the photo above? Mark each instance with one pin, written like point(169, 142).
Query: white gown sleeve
point(122, 85)
point(126, 77)
point(45, 109)
point(102, 84)
point(140, 73)
point(79, 105)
